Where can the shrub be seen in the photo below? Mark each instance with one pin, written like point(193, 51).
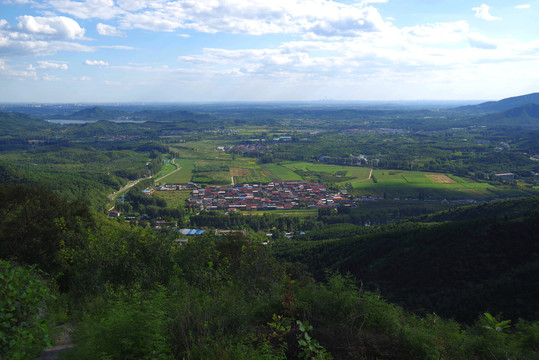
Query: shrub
point(131, 325)
point(23, 297)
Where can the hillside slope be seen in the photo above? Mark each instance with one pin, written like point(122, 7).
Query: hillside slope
point(501, 105)
point(454, 268)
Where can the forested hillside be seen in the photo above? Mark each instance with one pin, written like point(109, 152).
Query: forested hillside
point(455, 267)
point(137, 294)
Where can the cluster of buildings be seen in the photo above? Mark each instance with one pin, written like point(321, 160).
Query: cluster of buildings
point(277, 195)
point(258, 147)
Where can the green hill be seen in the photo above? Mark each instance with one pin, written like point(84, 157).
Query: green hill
point(12, 124)
point(454, 267)
point(501, 105)
point(96, 113)
point(522, 116)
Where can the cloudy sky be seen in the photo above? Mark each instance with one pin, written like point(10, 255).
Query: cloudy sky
point(250, 50)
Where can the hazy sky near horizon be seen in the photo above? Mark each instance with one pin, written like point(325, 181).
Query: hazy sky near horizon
point(267, 50)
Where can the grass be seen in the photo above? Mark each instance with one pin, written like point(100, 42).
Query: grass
point(174, 199)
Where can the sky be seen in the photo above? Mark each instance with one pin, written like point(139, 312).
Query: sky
point(65, 51)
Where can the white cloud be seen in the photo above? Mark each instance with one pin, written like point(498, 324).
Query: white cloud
point(10, 45)
point(52, 65)
point(48, 77)
point(57, 27)
point(13, 72)
point(82, 78)
point(41, 36)
point(483, 12)
point(412, 53)
point(481, 42)
point(525, 6)
point(108, 30)
point(326, 18)
point(96, 63)
point(18, 2)
point(134, 5)
point(116, 47)
point(438, 32)
point(100, 9)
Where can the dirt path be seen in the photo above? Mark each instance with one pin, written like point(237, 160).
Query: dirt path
point(178, 168)
point(62, 344)
point(115, 194)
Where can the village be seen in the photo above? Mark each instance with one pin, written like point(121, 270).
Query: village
point(277, 195)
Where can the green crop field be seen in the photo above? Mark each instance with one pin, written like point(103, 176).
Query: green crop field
point(174, 199)
point(213, 177)
point(283, 173)
point(251, 174)
point(181, 176)
point(395, 183)
point(341, 175)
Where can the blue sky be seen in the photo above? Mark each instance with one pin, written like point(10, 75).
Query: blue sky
point(267, 50)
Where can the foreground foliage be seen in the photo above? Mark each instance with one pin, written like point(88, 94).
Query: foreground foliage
point(135, 294)
point(23, 295)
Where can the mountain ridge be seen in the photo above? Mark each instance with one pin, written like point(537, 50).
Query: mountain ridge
point(500, 105)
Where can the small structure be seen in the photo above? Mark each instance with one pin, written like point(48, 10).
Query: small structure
point(191, 232)
point(505, 176)
point(114, 214)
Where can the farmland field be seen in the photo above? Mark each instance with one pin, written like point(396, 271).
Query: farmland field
point(205, 168)
point(283, 173)
point(395, 183)
point(181, 176)
point(174, 199)
point(337, 173)
point(253, 174)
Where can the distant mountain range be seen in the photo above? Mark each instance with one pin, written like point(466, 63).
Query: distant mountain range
point(501, 105)
point(526, 115)
point(518, 111)
point(98, 113)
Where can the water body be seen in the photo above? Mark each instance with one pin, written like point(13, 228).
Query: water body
point(70, 122)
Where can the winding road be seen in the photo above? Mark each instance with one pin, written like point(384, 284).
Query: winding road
point(130, 184)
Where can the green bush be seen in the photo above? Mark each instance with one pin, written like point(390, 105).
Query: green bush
point(23, 297)
point(131, 325)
